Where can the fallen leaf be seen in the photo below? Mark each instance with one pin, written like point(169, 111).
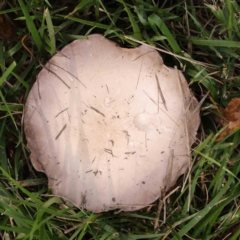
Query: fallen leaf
point(231, 115)
point(232, 111)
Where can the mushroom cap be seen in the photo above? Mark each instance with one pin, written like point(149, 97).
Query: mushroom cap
point(110, 126)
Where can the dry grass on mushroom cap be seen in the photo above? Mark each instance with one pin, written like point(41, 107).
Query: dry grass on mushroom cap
point(207, 32)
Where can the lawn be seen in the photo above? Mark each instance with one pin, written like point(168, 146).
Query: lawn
point(201, 38)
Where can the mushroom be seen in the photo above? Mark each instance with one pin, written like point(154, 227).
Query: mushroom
point(110, 126)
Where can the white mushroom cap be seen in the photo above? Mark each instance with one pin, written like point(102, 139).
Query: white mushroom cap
point(108, 125)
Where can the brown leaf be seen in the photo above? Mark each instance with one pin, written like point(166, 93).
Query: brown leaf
point(232, 111)
point(232, 117)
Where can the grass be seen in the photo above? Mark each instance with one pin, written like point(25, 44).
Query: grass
point(202, 38)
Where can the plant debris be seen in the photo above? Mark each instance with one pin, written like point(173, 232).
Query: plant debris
point(231, 118)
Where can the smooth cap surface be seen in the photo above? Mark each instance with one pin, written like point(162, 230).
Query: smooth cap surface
point(110, 126)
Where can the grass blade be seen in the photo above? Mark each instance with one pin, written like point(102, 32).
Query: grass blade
point(31, 26)
point(155, 19)
point(50, 31)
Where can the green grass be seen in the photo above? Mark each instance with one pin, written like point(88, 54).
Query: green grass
point(202, 38)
